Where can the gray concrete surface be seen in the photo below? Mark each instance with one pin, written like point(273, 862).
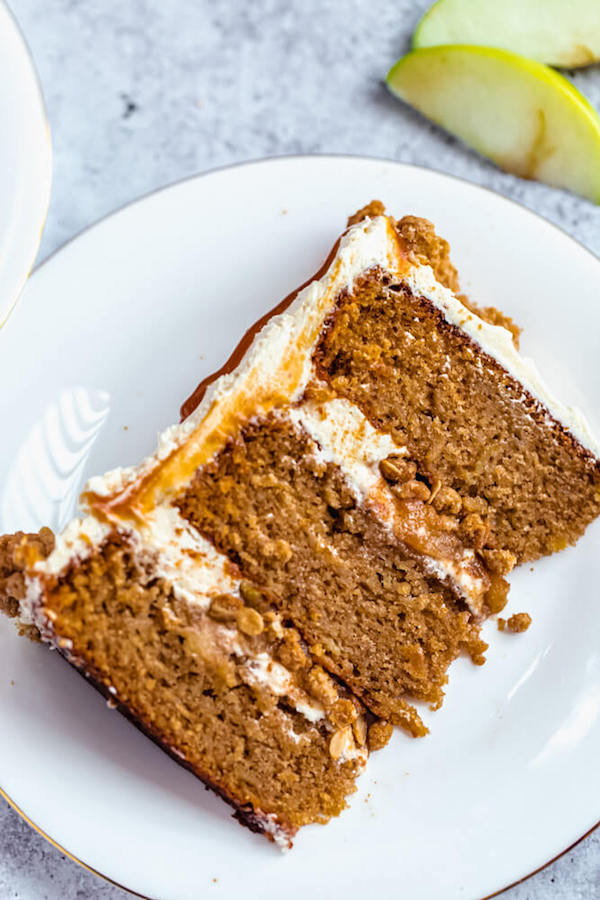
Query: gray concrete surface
point(144, 92)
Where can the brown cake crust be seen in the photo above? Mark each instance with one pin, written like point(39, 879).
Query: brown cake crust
point(518, 623)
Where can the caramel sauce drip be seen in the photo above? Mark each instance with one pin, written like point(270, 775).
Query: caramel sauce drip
point(224, 417)
point(194, 400)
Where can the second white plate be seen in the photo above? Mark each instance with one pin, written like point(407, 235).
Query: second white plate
point(25, 162)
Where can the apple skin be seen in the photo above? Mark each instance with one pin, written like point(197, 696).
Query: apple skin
point(522, 115)
point(557, 32)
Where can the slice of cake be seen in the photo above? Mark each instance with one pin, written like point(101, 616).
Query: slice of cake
point(323, 534)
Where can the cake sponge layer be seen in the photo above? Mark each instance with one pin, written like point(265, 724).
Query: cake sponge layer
point(365, 602)
point(468, 422)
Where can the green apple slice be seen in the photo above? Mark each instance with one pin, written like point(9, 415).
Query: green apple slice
point(557, 32)
point(524, 116)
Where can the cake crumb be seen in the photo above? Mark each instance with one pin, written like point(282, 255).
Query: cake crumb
point(371, 210)
point(379, 734)
point(14, 549)
point(517, 623)
point(425, 247)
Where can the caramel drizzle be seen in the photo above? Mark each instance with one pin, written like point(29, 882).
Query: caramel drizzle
point(254, 397)
point(195, 399)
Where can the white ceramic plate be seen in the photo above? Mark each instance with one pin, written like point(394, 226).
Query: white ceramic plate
point(111, 335)
point(25, 163)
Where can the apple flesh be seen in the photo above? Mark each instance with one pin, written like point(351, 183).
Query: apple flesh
point(524, 116)
point(557, 32)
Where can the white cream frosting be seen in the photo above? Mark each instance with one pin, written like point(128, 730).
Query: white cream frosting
point(189, 562)
point(262, 669)
point(270, 825)
point(186, 560)
point(345, 436)
point(76, 542)
point(468, 585)
point(364, 246)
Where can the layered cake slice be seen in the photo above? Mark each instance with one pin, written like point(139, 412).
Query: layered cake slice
point(306, 553)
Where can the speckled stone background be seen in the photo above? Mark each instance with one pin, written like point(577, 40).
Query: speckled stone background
point(144, 92)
